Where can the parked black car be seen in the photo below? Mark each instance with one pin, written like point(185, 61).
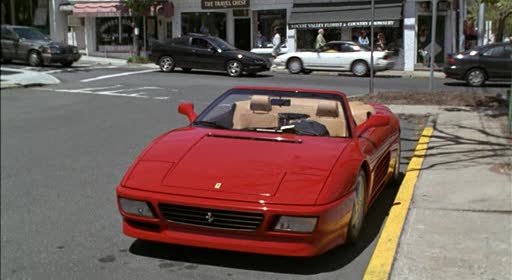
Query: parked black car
point(30, 45)
point(196, 51)
point(486, 63)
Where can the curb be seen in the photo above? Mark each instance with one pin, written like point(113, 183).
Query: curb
point(381, 262)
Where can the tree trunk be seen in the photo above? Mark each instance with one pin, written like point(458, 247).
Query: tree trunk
point(136, 33)
point(501, 26)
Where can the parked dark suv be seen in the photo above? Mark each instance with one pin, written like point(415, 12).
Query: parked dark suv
point(30, 45)
point(486, 63)
point(196, 51)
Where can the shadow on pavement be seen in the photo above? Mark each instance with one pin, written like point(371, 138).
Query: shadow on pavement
point(486, 85)
point(217, 73)
point(330, 261)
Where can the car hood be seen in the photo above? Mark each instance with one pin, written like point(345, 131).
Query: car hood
point(241, 166)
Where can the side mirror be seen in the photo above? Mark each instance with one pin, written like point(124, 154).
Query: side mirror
point(373, 121)
point(187, 109)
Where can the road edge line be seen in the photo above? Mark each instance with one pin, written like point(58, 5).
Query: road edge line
point(379, 267)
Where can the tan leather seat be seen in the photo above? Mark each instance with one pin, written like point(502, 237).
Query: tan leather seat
point(328, 114)
point(361, 111)
point(255, 113)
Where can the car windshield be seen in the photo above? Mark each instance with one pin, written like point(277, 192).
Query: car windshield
point(272, 111)
point(29, 33)
point(221, 44)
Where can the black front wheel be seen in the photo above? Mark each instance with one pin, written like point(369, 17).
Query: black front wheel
point(35, 59)
point(166, 64)
point(475, 77)
point(234, 68)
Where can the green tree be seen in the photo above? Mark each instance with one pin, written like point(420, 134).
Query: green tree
point(499, 12)
point(138, 8)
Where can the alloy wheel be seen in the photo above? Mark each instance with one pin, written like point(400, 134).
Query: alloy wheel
point(294, 66)
point(476, 77)
point(359, 69)
point(357, 218)
point(234, 68)
point(34, 59)
point(166, 64)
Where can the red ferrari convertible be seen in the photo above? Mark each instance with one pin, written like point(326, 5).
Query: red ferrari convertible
point(265, 170)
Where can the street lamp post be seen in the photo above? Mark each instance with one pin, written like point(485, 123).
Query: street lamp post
point(371, 48)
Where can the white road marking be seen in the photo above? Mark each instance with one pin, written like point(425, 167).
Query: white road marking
point(117, 75)
point(119, 92)
point(79, 68)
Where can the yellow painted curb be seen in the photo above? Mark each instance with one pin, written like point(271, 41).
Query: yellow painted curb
point(380, 264)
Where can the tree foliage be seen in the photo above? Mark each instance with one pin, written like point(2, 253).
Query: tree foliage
point(139, 7)
point(499, 12)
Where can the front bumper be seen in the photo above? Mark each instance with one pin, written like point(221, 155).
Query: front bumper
point(255, 68)
point(383, 64)
point(330, 230)
point(60, 58)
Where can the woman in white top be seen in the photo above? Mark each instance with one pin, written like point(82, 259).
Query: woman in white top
point(276, 43)
point(363, 39)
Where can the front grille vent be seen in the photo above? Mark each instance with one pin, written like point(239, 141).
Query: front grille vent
point(212, 218)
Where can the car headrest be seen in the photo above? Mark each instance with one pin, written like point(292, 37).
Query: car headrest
point(261, 103)
point(327, 109)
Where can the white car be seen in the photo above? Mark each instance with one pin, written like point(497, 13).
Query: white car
point(268, 50)
point(335, 56)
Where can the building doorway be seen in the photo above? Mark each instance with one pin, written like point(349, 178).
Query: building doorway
point(243, 33)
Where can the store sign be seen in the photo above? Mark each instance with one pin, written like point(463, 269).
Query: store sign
point(227, 4)
point(317, 25)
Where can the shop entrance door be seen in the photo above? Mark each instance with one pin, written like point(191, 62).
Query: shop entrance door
point(243, 33)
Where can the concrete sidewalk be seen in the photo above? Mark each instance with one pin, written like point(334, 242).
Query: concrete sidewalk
point(459, 225)
point(13, 77)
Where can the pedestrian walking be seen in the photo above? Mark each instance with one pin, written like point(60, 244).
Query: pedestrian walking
point(320, 40)
point(276, 43)
point(381, 42)
point(363, 39)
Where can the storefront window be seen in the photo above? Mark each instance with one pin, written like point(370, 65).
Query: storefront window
point(111, 32)
point(306, 38)
point(424, 38)
point(205, 23)
point(268, 21)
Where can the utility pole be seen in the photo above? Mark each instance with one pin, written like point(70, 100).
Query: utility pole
point(433, 43)
point(371, 49)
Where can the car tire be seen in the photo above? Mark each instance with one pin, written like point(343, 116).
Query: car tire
point(166, 63)
point(34, 58)
point(67, 64)
point(360, 68)
point(294, 65)
point(307, 71)
point(357, 218)
point(186, 70)
point(475, 77)
point(234, 68)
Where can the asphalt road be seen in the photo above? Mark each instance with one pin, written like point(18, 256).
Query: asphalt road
point(65, 149)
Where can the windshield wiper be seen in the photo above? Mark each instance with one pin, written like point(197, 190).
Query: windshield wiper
point(209, 124)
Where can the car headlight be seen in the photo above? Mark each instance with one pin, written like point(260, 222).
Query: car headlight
point(295, 224)
point(51, 50)
point(136, 207)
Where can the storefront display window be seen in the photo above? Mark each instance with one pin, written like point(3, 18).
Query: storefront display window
point(424, 39)
point(268, 21)
point(306, 38)
point(113, 31)
point(210, 23)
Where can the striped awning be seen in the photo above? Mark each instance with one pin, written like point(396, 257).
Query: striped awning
point(98, 9)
